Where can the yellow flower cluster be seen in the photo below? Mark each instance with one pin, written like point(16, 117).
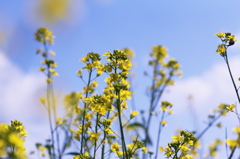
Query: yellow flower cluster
point(180, 147)
point(101, 109)
point(213, 148)
point(166, 106)
point(227, 40)
point(45, 36)
point(12, 140)
point(234, 143)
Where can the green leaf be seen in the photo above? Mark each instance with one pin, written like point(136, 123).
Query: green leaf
point(135, 125)
point(72, 153)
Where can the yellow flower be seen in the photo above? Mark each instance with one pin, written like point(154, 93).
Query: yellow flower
point(131, 146)
point(231, 107)
point(220, 34)
point(54, 11)
point(232, 143)
point(115, 147)
point(48, 80)
point(190, 142)
point(59, 121)
point(42, 99)
point(79, 95)
point(38, 51)
point(88, 124)
point(219, 125)
point(232, 37)
point(145, 150)
point(197, 144)
point(133, 114)
point(44, 35)
point(161, 149)
point(237, 130)
point(55, 73)
point(184, 148)
point(52, 53)
point(124, 94)
point(94, 84)
point(88, 116)
point(221, 49)
point(42, 148)
point(93, 135)
point(79, 73)
point(163, 108)
point(84, 59)
point(177, 138)
point(108, 131)
point(170, 111)
point(163, 123)
point(15, 140)
point(53, 65)
point(41, 69)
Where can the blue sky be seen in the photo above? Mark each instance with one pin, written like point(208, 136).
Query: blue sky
point(185, 27)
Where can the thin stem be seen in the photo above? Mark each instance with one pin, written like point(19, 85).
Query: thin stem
point(49, 90)
point(121, 128)
point(95, 142)
point(104, 137)
point(231, 155)
point(226, 143)
point(55, 118)
point(175, 156)
point(151, 106)
point(236, 90)
point(159, 133)
point(209, 125)
point(234, 85)
point(120, 119)
point(50, 118)
point(84, 112)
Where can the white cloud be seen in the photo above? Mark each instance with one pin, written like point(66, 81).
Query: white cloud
point(19, 91)
point(19, 99)
point(209, 89)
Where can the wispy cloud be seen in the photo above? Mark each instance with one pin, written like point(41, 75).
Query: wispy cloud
point(19, 96)
point(209, 89)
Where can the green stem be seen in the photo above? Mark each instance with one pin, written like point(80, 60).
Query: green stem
point(236, 90)
point(95, 142)
point(84, 112)
point(104, 138)
point(117, 91)
point(49, 102)
point(234, 85)
point(231, 155)
point(55, 118)
point(121, 127)
point(159, 133)
point(209, 125)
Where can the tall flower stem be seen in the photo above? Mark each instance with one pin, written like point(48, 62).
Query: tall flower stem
point(159, 133)
point(49, 104)
point(121, 127)
point(104, 138)
point(84, 112)
point(95, 142)
point(230, 72)
point(235, 88)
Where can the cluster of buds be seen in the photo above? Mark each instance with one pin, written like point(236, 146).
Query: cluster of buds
point(45, 36)
point(227, 40)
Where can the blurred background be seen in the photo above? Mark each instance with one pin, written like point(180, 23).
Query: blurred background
point(185, 27)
